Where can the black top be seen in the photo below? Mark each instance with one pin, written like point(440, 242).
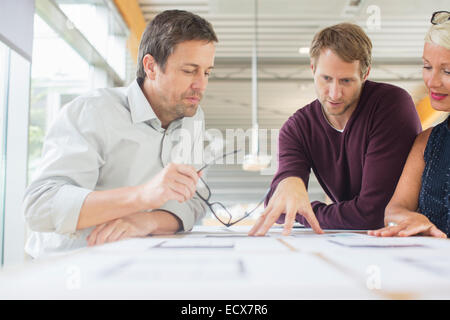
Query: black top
point(434, 194)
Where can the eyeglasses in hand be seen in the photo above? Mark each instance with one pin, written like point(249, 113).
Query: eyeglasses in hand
point(217, 207)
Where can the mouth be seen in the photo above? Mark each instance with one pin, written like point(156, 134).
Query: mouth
point(438, 96)
point(335, 104)
point(193, 100)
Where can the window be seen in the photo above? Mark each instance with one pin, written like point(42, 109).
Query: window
point(14, 103)
point(4, 66)
point(58, 75)
point(104, 30)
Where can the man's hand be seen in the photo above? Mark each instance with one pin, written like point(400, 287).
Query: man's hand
point(414, 224)
point(174, 182)
point(139, 224)
point(290, 197)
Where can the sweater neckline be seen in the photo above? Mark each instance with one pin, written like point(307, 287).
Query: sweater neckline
point(329, 123)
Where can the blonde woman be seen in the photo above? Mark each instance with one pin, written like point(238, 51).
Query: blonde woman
point(420, 204)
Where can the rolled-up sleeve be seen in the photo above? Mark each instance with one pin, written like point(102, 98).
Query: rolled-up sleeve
point(68, 171)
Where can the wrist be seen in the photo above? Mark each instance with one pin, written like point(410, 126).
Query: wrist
point(293, 185)
point(398, 214)
point(139, 199)
point(291, 180)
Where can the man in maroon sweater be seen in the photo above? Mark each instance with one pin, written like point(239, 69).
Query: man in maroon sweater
point(356, 137)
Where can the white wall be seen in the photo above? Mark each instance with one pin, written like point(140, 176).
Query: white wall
point(16, 25)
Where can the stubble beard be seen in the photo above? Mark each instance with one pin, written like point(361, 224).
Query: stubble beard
point(326, 110)
point(182, 110)
point(353, 102)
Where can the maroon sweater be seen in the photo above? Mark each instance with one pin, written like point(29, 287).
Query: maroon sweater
point(358, 168)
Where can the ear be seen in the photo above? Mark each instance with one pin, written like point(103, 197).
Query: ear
point(367, 74)
point(149, 64)
point(311, 65)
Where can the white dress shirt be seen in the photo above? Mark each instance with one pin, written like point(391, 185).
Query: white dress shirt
point(107, 139)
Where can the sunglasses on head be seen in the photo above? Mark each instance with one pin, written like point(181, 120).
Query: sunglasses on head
point(440, 17)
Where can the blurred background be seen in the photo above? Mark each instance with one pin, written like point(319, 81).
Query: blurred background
point(51, 51)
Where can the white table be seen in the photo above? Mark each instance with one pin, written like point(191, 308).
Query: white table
point(219, 263)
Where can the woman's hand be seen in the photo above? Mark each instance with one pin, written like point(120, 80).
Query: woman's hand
point(414, 224)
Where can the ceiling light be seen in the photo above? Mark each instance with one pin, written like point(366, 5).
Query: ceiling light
point(303, 50)
point(256, 162)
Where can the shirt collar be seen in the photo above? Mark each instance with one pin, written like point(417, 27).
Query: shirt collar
point(142, 111)
point(140, 108)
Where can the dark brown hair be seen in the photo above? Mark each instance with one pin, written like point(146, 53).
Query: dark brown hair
point(168, 29)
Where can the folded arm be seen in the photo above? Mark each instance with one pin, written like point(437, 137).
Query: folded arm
point(62, 198)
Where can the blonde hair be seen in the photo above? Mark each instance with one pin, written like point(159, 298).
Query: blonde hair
point(439, 34)
point(348, 41)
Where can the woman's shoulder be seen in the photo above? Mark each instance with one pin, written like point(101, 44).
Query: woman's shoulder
point(431, 139)
point(424, 136)
point(422, 139)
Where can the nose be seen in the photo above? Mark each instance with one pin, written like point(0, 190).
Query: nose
point(335, 91)
point(200, 82)
point(434, 79)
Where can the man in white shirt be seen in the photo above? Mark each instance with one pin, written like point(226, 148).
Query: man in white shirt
point(107, 169)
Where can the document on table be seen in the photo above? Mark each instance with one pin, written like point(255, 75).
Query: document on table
point(438, 264)
point(365, 241)
point(221, 236)
point(196, 243)
point(169, 268)
point(132, 245)
point(248, 244)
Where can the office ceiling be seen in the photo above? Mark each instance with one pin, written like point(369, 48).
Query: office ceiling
point(396, 28)
point(284, 26)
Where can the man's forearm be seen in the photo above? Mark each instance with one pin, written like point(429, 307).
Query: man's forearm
point(164, 222)
point(139, 224)
point(350, 214)
point(103, 206)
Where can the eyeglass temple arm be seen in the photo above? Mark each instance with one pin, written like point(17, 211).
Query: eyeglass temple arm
point(220, 157)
